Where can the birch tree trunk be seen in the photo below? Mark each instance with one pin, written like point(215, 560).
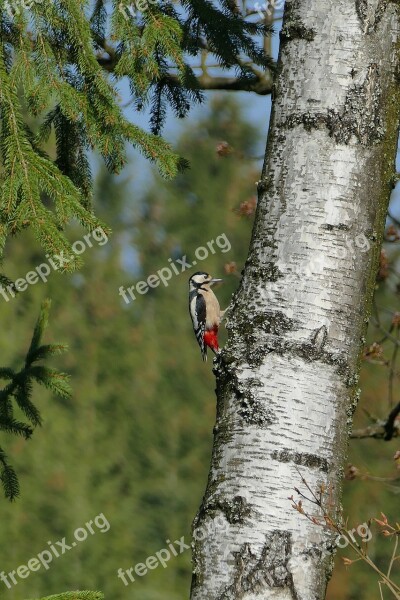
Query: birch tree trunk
point(287, 381)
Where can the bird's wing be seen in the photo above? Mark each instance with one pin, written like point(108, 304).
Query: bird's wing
point(198, 314)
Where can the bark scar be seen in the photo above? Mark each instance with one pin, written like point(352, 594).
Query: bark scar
point(255, 572)
point(370, 16)
point(319, 338)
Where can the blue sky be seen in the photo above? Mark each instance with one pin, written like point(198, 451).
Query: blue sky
point(256, 109)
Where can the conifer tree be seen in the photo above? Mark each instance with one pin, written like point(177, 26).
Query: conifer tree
point(55, 63)
point(60, 67)
point(123, 378)
point(18, 393)
point(55, 66)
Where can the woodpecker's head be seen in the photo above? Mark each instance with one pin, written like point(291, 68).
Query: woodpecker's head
point(201, 281)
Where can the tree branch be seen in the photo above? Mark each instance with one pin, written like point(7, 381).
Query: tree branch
point(260, 83)
point(381, 430)
point(390, 427)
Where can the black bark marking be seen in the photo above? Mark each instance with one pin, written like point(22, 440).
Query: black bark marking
point(265, 333)
point(338, 226)
point(264, 271)
point(303, 459)
point(319, 338)
point(236, 510)
point(360, 117)
point(293, 27)
point(263, 185)
point(251, 410)
point(293, 30)
point(309, 121)
point(307, 350)
point(256, 328)
point(269, 322)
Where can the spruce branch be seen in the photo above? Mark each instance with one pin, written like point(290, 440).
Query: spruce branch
point(18, 391)
point(60, 67)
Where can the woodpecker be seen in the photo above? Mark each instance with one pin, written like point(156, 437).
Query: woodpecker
point(205, 311)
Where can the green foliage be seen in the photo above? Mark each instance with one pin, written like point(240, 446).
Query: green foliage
point(134, 441)
point(62, 62)
point(18, 391)
point(76, 596)
point(60, 67)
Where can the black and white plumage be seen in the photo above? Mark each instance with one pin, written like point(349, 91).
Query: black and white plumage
point(197, 308)
point(205, 311)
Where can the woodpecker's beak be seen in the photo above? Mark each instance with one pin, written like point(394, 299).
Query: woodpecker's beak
point(214, 281)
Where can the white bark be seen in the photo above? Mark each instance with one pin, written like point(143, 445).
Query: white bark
point(287, 380)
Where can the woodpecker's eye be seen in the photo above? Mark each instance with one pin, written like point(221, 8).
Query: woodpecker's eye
point(205, 276)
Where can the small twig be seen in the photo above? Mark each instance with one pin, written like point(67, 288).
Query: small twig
point(396, 543)
point(360, 551)
point(380, 589)
point(390, 423)
point(392, 371)
point(387, 335)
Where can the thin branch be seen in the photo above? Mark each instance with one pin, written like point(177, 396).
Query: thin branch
point(260, 83)
point(390, 427)
point(392, 369)
point(381, 430)
point(396, 543)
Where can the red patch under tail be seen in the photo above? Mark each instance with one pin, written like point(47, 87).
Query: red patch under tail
point(211, 339)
